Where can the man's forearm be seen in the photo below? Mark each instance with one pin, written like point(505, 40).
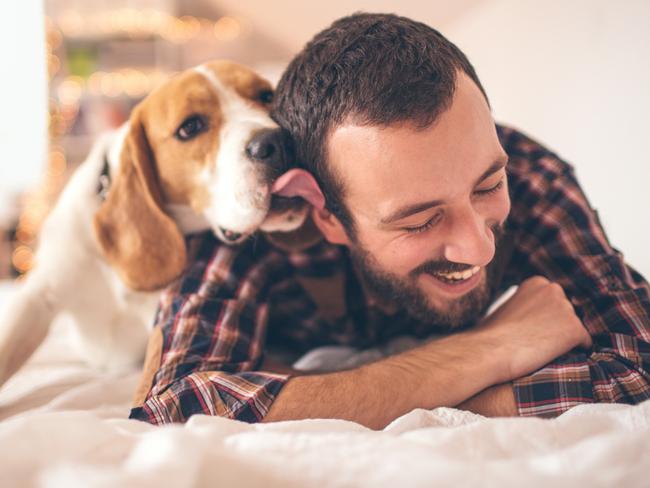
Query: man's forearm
point(495, 401)
point(444, 372)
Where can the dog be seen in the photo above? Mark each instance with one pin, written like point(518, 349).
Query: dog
point(200, 152)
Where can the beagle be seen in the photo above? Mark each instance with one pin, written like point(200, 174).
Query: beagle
point(200, 152)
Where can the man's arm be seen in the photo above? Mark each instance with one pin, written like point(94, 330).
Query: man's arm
point(212, 349)
point(495, 401)
point(536, 325)
point(558, 235)
point(442, 372)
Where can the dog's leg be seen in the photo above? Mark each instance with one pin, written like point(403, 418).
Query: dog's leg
point(24, 324)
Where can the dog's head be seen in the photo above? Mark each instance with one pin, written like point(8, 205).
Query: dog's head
point(202, 142)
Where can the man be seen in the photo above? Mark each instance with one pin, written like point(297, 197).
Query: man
point(429, 211)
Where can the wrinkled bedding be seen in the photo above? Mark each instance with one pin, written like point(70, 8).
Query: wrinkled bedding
point(63, 424)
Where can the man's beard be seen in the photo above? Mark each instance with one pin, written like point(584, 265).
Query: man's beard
point(405, 292)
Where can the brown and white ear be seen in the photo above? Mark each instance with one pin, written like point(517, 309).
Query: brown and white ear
point(137, 238)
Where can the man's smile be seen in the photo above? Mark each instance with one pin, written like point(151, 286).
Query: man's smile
point(457, 283)
point(457, 276)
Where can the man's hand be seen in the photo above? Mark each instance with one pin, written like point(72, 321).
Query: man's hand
point(535, 326)
point(544, 325)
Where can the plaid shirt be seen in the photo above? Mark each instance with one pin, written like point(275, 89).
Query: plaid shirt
point(232, 303)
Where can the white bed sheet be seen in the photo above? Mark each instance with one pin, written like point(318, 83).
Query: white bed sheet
point(62, 424)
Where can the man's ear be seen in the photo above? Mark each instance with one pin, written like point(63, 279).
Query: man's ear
point(330, 226)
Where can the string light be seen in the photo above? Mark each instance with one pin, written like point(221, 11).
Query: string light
point(22, 258)
point(148, 22)
point(53, 65)
point(70, 90)
point(23, 236)
point(72, 23)
point(57, 163)
point(227, 29)
point(53, 35)
point(94, 83)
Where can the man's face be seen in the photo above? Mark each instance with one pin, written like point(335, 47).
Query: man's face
point(428, 206)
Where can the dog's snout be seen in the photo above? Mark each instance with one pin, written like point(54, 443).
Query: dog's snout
point(229, 235)
point(268, 146)
point(263, 145)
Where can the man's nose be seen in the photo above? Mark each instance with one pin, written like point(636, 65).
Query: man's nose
point(470, 240)
point(269, 146)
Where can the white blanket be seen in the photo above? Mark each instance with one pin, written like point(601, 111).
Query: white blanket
point(62, 424)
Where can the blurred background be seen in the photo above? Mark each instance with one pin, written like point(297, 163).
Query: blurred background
point(573, 74)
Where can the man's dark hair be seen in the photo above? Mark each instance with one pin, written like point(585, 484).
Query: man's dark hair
point(371, 69)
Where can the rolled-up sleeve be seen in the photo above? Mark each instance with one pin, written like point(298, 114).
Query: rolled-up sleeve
point(242, 396)
point(213, 324)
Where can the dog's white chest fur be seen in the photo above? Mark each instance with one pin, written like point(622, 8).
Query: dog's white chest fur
point(72, 278)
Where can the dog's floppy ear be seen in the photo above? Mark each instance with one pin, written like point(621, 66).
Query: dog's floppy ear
point(140, 241)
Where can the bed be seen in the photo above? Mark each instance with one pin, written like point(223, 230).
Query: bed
point(64, 424)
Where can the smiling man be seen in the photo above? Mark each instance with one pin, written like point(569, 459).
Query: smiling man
point(429, 211)
point(428, 203)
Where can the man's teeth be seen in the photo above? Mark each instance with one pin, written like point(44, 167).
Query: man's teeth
point(458, 276)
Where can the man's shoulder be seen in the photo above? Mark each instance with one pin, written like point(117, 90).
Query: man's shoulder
point(540, 182)
point(529, 159)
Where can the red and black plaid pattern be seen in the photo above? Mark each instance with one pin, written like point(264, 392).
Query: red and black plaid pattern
point(558, 235)
point(232, 303)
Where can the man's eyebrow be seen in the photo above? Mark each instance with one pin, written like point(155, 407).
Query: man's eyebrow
point(410, 209)
point(497, 166)
point(414, 208)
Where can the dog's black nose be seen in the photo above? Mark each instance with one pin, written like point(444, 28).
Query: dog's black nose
point(229, 235)
point(268, 146)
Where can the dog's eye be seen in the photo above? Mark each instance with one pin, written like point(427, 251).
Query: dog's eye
point(191, 127)
point(265, 96)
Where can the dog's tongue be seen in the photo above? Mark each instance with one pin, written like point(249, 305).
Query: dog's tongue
point(299, 183)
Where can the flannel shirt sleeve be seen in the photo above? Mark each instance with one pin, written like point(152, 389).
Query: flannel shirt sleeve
point(560, 237)
point(213, 323)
